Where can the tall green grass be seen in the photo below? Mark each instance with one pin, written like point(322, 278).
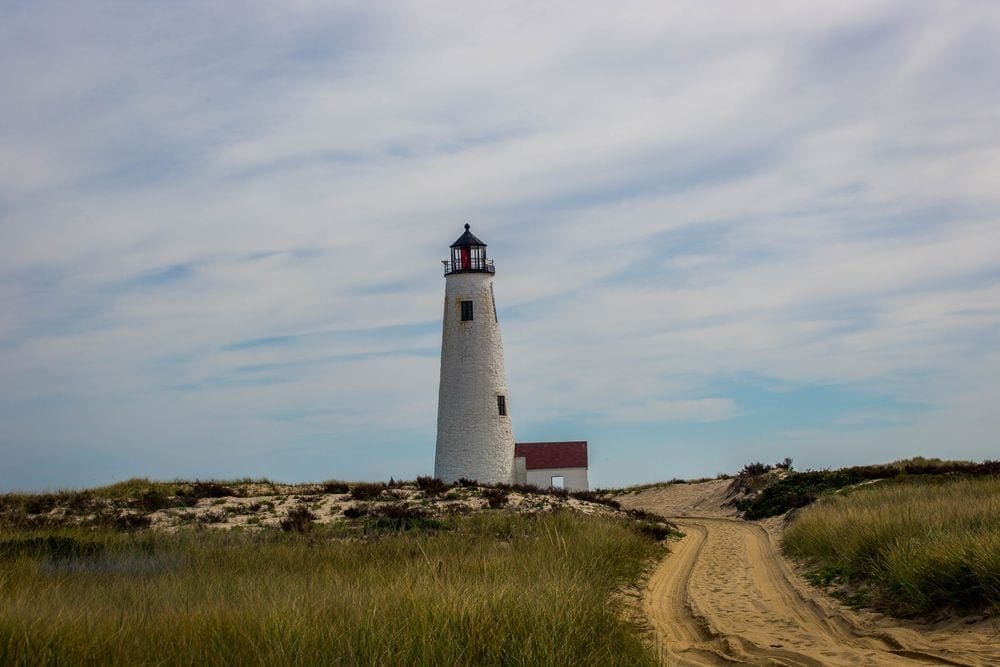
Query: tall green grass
point(914, 547)
point(491, 589)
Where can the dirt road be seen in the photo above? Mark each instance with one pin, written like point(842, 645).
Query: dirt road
point(726, 595)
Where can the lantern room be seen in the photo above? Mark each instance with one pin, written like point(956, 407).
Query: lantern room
point(468, 254)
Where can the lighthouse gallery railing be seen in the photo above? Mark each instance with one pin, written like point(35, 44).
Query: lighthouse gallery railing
point(470, 264)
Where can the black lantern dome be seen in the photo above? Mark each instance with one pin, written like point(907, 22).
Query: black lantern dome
point(468, 254)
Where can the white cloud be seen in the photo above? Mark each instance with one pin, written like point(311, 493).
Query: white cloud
point(674, 195)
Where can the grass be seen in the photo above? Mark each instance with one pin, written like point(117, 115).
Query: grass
point(491, 588)
point(773, 492)
point(915, 546)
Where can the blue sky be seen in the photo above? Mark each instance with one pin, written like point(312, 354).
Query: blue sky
point(722, 232)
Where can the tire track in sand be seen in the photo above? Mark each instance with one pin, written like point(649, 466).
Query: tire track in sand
point(725, 595)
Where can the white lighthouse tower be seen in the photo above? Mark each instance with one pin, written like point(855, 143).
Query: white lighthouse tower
point(474, 436)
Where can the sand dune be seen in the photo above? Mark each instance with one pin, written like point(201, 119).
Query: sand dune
point(726, 595)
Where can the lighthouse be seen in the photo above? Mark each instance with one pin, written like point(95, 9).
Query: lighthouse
point(475, 440)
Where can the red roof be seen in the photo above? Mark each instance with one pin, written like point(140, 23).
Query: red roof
point(538, 455)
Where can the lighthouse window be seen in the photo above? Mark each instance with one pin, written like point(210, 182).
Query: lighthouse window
point(477, 257)
point(466, 311)
point(502, 405)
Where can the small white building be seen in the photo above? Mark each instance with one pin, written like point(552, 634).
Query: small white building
point(560, 465)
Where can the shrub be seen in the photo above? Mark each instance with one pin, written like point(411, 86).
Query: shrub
point(79, 502)
point(298, 519)
point(211, 490)
point(152, 500)
point(129, 522)
point(190, 496)
point(754, 469)
point(399, 518)
point(657, 531)
point(594, 497)
point(212, 517)
point(335, 486)
point(432, 486)
point(367, 491)
point(795, 490)
point(354, 512)
point(40, 504)
point(643, 515)
point(495, 497)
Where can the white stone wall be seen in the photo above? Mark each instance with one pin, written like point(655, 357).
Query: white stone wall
point(520, 469)
point(574, 479)
point(473, 440)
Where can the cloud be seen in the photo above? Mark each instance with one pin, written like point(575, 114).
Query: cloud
point(698, 410)
point(220, 231)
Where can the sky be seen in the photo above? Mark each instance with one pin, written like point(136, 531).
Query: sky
point(724, 232)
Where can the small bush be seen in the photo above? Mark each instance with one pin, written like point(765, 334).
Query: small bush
point(79, 502)
point(657, 531)
point(367, 491)
point(594, 497)
point(250, 508)
point(354, 512)
point(754, 469)
point(298, 519)
point(186, 499)
point(152, 500)
point(432, 486)
point(190, 496)
point(211, 490)
point(495, 497)
point(40, 504)
point(335, 486)
point(462, 481)
point(401, 518)
point(129, 522)
point(643, 515)
point(212, 517)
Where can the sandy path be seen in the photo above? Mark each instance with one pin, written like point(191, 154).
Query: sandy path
point(726, 595)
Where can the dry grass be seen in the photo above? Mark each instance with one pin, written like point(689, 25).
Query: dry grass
point(914, 547)
point(491, 588)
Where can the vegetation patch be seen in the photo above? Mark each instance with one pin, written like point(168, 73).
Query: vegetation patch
point(596, 497)
point(496, 497)
point(773, 490)
point(918, 545)
point(432, 486)
point(496, 588)
point(335, 486)
point(367, 490)
point(50, 546)
point(298, 519)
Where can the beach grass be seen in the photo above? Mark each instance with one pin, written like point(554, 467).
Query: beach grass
point(916, 546)
point(490, 588)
